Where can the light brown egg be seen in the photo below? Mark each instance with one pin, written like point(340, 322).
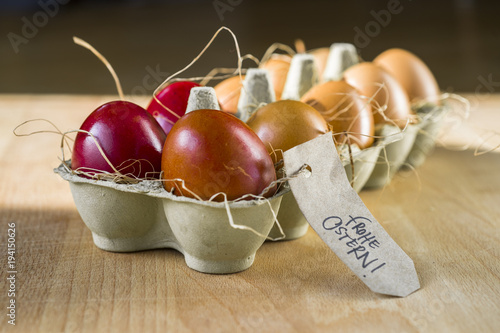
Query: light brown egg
point(278, 66)
point(285, 124)
point(320, 57)
point(384, 90)
point(345, 111)
point(411, 72)
point(228, 93)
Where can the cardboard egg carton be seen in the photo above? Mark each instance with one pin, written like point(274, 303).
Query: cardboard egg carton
point(144, 216)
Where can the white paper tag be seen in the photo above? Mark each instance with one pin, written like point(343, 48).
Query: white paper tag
point(339, 216)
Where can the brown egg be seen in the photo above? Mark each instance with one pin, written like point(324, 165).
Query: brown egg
point(377, 84)
point(345, 111)
point(411, 72)
point(321, 57)
point(212, 152)
point(285, 124)
point(278, 66)
point(228, 93)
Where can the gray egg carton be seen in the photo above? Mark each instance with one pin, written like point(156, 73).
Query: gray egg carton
point(143, 216)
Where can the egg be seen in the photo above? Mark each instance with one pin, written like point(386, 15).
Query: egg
point(212, 152)
point(411, 72)
point(382, 89)
point(344, 109)
point(320, 57)
point(285, 124)
point(278, 66)
point(228, 93)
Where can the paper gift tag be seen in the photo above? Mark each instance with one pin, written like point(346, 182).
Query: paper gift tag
point(339, 216)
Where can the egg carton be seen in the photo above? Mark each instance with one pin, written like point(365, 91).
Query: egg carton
point(143, 216)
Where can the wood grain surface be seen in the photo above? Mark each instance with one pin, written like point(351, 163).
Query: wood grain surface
point(446, 216)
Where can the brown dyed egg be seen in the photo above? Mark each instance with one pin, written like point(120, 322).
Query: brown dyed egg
point(213, 152)
point(320, 57)
point(285, 124)
point(278, 66)
point(228, 93)
point(377, 84)
point(411, 72)
point(345, 111)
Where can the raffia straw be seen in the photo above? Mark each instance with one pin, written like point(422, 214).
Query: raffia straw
point(229, 72)
point(89, 47)
point(351, 159)
point(489, 135)
point(167, 80)
point(214, 74)
point(300, 47)
point(57, 130)
point(276, 46)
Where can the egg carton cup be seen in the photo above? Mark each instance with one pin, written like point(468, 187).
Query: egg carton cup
point(396, 146)
point(143, 216)
point(432, 117)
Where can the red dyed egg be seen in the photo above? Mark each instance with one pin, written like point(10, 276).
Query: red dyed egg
point(129, 136)
point(174, 98)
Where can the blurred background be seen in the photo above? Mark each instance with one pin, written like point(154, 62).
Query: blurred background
point(145, 41)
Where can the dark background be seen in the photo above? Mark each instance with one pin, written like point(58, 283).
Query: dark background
point(459, 40)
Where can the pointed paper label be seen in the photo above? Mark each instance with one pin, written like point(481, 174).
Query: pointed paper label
point(339, 216)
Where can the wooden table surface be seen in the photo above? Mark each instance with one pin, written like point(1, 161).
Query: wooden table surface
point(446, 216)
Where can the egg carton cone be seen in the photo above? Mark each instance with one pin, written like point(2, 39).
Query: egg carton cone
point(341, 57)
point(143, 216)
point(431, 119)
point(396, 147)
point(257, 90)
point(301, 77)
point(202, 98)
